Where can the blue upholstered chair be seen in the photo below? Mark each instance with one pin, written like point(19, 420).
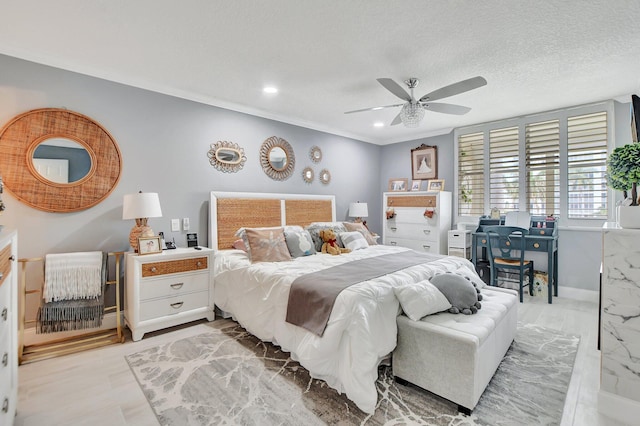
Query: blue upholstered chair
point(505, 249)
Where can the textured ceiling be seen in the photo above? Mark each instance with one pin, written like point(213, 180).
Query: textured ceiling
point(325, 56)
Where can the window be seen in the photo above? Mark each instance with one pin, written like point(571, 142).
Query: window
point(549, 164)
point(471, 175)
point(542, 145)
point(504, 187)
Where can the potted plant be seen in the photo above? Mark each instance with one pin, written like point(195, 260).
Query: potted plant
point(623, 174)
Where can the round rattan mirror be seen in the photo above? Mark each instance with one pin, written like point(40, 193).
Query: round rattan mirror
point(24, 134)
point(277, 158)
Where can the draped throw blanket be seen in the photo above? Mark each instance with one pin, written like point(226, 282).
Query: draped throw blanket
point(73, 292)
point(312, 296)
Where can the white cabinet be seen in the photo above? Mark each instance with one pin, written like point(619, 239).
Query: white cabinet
point(460, 243)
point(420, 220)
point(8, 326)
point(168, 289)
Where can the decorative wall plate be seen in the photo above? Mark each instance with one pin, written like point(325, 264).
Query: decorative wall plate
point(325, 176)
point(226, 156)
point(315, 154)
point(307, 174)
point(277, 158)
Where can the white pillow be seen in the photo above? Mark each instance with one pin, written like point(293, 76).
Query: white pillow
point(471, 276)
point(421, 299)
point(353, 240)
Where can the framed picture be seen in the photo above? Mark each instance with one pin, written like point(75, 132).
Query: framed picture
point(149, 245)
point(435, 185)
point(424, 162)
point(398, 184)
point(415, 185)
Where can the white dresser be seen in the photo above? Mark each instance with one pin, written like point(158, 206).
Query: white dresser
point(411, 225)
point(168, 289)
point(8, 325)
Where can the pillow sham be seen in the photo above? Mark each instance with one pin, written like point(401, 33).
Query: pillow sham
point(354, 240)
point(421, 299)
point(359, 226)
point(267, 245)
point(471, 276)
point(314, 230)
point(299, 242)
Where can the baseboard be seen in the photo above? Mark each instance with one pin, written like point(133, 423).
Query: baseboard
point(33, 338)
point(579, 294)
point(618, 408)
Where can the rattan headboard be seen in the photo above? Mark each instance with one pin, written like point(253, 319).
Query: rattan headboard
point(229, 211)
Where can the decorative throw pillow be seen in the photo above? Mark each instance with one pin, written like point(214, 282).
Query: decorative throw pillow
point(421, 299)
point(239, 245)
point(354, 240)
point(299, 242)
point(314, 231)
point(242, 234)
point(359, 226)
point(460, 291)
point(471, 276)
point(267, 245)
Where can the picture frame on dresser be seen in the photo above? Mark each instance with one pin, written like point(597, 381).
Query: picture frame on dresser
point(415, 185)
point(149, 245)
point(424, 162)
point(435, 185)
point(398, 184)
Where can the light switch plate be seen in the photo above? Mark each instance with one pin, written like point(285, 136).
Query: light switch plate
point(175, 225)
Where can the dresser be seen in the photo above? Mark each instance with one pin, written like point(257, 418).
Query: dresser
point(168, 289)
point(619, 394)
point(420, 220)
point(8, 326)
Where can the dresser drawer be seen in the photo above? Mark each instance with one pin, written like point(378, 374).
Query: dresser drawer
point(5, 263)
point(414, 215)
point(411, 231)
point(170, 286)
point(154, 269)
point(420, 245)
point(159, 308)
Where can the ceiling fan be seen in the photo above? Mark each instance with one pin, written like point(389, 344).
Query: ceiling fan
point(413, 110)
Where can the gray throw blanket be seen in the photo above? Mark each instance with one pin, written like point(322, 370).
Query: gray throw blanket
point(312, 296)
point(66, 315)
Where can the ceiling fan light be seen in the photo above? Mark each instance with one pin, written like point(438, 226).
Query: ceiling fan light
point(411, 114)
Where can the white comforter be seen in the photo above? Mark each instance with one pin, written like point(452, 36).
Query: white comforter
point(362, 326)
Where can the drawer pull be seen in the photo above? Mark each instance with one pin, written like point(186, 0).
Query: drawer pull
point(5, 359)
point(199, 264)
point(177, 286)
point(484, 241)
point(177, 305)
point(12, 258)
point(393, 228)
point(154, 269)
point(426, 231)
point(1, 275)
point(536, 245)
point(426, 247)
point(4, 314)
point(5, 405)
point(393, 243)
point(541, 232)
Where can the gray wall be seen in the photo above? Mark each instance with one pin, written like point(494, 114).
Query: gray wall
point(164, 143)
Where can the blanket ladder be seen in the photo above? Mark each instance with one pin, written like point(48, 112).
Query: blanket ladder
point(75, 342)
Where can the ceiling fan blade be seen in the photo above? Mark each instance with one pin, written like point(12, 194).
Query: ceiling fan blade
point(454, 89)
point(396, 120)
point(373, 109)
point(447, 108)
point(394, 88)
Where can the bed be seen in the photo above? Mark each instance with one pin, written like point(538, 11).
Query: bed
point(361, 329)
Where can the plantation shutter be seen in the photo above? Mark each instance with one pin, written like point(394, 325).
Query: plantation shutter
point(542, 145)
point(587, 161)
point(504, 191)
point(471, 174)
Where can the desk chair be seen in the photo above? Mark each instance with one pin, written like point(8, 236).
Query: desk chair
point(506, 248)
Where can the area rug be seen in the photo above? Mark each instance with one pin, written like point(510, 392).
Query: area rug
point(228, 377)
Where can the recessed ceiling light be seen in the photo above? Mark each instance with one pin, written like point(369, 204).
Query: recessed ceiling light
point(270, 89)
point(378, 124)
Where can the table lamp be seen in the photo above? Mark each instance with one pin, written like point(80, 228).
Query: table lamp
point(358, 210)
point(141, 207)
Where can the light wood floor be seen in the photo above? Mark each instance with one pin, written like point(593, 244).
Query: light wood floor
point(97, 388)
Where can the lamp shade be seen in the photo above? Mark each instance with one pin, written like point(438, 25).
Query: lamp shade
point(141, 205)
point(358, 209)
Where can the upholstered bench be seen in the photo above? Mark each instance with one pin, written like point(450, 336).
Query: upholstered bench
point(454, 355)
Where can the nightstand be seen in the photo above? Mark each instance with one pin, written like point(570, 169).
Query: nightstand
point(168, 289)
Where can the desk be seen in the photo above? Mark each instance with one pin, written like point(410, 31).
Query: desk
point(539, 243)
